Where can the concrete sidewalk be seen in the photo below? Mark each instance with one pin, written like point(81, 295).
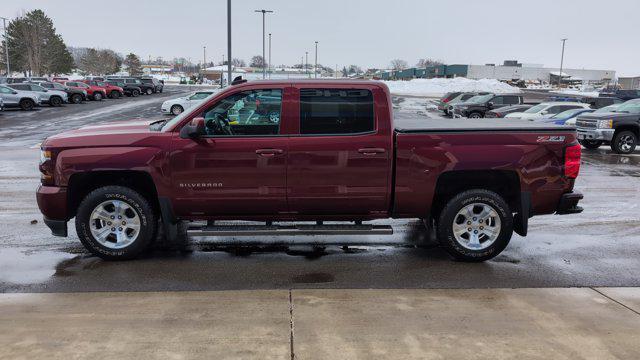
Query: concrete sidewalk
point(585, 323)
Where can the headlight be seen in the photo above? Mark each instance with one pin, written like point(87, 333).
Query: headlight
point(45, 155)
point(605, 124)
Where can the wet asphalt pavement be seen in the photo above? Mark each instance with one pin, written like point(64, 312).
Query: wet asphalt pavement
point(600, 247)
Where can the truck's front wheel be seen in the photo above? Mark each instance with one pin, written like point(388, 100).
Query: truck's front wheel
point(475, 225)
point(115, 223)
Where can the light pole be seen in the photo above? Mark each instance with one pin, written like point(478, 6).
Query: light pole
point(264, 68)
point(204, 57)
point(306, 63)
point(269, 63)
point(229, 41)
point(561, 63)
point(315, 68)
point(6, 45)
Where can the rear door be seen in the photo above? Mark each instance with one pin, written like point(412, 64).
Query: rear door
point(339, 162)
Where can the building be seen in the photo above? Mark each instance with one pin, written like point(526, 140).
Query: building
point(629, 83)
point(511, 70)
point(153, 69)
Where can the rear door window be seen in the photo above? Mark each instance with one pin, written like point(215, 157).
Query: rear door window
point(336, 111)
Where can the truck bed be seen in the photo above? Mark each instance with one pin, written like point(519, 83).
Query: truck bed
point(419, 124)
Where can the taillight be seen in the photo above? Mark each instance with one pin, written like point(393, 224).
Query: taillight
point(446, 100)
point(572, 161)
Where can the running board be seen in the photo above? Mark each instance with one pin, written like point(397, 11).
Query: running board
point(290, 230)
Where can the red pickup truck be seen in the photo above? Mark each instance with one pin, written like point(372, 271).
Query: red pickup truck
point(301, 151)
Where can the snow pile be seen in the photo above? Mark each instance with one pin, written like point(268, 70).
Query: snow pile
point(438, 87)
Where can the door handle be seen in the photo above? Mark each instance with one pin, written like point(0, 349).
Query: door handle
point(269, 152)
point(371, 151)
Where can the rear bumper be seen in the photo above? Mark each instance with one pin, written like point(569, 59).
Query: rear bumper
point(569, 204)
point(52, 201)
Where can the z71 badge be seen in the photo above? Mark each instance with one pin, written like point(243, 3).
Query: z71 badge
point(554, 139)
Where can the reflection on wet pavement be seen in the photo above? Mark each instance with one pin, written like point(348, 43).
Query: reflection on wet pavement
point(24, 266)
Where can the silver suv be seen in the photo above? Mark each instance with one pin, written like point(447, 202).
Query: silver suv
point(26, 100)
point(51, 97)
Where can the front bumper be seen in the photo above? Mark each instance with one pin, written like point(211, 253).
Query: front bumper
point(569, 204)
point(595, 134)
point(52, 201)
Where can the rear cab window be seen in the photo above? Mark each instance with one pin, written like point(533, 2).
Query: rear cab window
point(336, 111)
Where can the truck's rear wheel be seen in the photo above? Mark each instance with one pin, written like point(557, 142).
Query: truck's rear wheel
point(115, 223)
point(475, 225)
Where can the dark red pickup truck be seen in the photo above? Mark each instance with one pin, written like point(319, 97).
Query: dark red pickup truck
point(300, 151)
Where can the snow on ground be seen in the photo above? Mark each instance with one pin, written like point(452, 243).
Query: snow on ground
point(579, 92)
point(438, 87)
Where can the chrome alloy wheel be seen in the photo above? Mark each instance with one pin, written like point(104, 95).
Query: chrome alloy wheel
point(476, 226)
point(115, 224)
point(625, 143)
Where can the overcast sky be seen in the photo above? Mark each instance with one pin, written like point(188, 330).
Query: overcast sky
point(602, 34)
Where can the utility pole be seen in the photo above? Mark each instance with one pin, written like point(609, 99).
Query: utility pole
point(561, 63)
point(315, 68)
point(6, 47)
point(229, 40)
point(306, 63)
point(264, 68)
point(269, 63)
point(301, 63)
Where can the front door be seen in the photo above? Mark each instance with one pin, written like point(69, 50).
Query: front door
point(239, 166)
point(339, 163)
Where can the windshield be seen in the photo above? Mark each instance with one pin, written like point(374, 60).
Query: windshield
point(83, 85)
point(535, 109)
point(101, 83)
point(631, 107)
point(610, 108)
point(199, 96)
point(479, 99)
point(179, 118)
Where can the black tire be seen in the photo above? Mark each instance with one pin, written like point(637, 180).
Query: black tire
point(97, 96)
point(449, 215)
point(135, 93)
point(114, 94)
point(76, 98)
point(27, 104)
point(624, 142)
point(149, 91)
point(475, 115)
point(590, 144)
point(176, 110)
point(55, 101)
point(137, 202)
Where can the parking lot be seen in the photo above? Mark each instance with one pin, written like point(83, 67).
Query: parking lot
point(566, 290)
point(599, 247)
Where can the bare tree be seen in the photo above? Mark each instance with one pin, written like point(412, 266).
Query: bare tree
point(398, 64)
point(257, 61)
point(424, 62)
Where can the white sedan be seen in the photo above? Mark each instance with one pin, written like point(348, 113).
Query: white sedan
point(177, 106)
point(548, 109)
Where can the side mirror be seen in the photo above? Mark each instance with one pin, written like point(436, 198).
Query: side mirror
point(194, 129)
point(490, 105)
point(544, 112)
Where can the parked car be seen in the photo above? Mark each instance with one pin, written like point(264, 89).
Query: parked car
point(95, 78)
point(1, 104)
point(25, 100)
point(619, 128)
point(93, 92)
point(461, 98)
point(305, 150)
point(547, 109)
point(112, 91)
point(505, 110)
point(145, 88)
point(444, 101)
point(178, 105)
point(478, 106)
point(74, 96)
point(58, 78)
point(49, 97)
point(127, 89)
point(563, 117)
point(621, 94)
point(157, 85)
